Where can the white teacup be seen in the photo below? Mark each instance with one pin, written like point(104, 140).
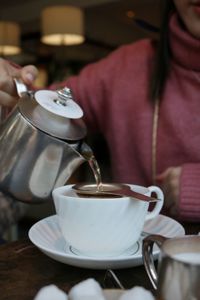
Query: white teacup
point(95, 226)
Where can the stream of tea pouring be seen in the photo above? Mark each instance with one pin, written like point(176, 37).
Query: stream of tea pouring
point(101, 189)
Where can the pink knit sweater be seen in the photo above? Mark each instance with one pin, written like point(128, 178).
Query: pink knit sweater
point(114, 96)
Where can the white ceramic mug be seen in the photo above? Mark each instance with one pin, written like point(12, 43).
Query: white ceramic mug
point(97, 226)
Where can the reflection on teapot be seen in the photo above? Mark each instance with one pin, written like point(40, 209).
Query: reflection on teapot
point(41, 144)
point(48, 162)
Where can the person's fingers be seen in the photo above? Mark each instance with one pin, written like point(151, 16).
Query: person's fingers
point(8, 72)
point(29, 74)
point(7, 85)
point(170, 203)
point(168, 196)
point(7, 99)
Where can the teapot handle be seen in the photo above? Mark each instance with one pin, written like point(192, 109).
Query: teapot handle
point(147, 254)
point(20, 87)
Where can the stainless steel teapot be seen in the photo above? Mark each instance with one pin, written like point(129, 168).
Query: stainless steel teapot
point(41, 144)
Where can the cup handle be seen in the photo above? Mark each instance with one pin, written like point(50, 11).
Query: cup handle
point(159, 204)
point(147, 254)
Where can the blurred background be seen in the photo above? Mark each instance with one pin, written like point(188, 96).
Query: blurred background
point(106, 24)
point(96, 28)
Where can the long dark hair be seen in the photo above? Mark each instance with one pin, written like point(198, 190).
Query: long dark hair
point(161, 67)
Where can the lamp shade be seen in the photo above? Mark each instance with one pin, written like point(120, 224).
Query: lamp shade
point(9, 38)
point(62, 25)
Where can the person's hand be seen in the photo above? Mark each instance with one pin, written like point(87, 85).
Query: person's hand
point(8, 93)
point(169, 181)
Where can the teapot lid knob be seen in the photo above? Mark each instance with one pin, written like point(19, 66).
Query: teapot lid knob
point(65, 93)
point(63, 96)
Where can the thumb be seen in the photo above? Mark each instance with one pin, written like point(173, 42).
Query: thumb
point(163, 175)
point(160, 177)
point(29, 74)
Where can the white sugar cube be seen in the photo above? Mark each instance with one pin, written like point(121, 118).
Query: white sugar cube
point(50, 292)
point(138, 293)
point(88, 289)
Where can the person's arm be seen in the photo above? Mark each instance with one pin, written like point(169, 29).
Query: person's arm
point(182, 189)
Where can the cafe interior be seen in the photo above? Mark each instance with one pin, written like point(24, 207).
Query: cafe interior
point(86, 32)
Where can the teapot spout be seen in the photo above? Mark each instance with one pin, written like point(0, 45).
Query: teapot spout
point(73, 157)
point(86, 151)
point(88, 155)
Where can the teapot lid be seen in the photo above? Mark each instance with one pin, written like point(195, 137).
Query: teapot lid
point(54, 112)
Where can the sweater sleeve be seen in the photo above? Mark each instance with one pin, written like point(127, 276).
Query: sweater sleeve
point(189, 204)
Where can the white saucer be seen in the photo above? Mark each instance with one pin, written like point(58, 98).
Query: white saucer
point(46, 235)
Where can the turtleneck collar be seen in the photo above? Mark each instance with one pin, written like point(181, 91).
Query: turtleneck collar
point(185, 48)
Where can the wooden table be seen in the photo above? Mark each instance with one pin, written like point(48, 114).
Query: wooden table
point(24, 270)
